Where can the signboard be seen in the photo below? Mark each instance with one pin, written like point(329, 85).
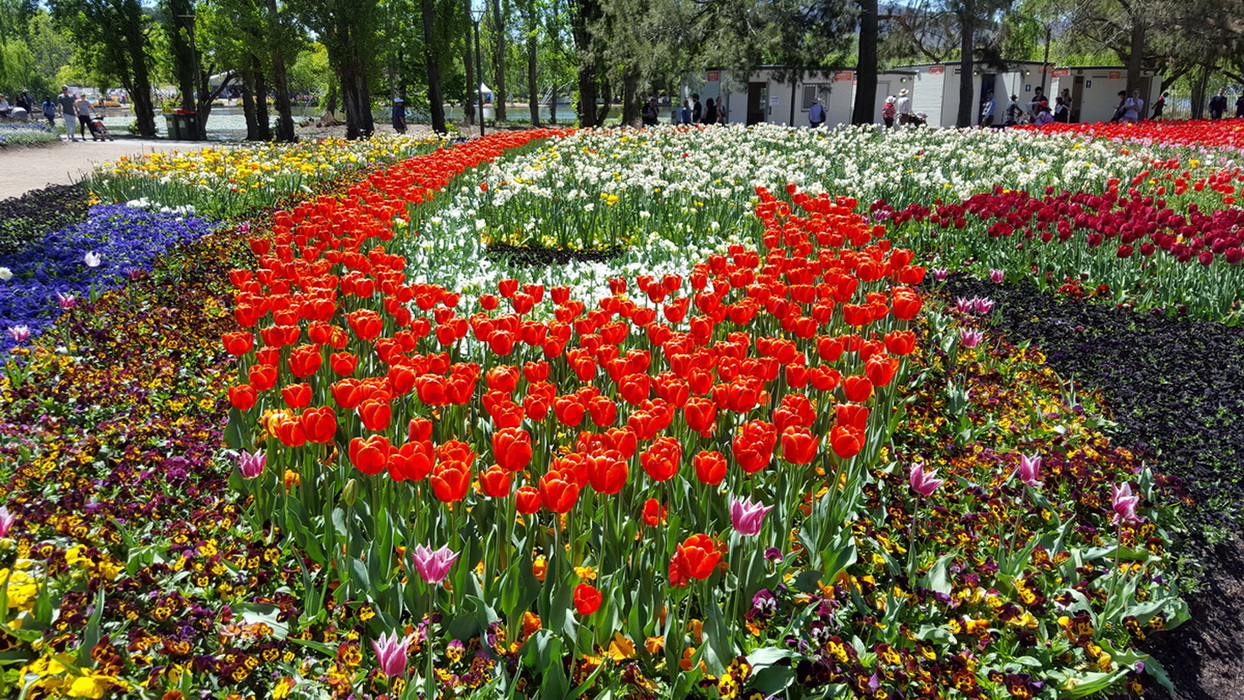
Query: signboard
point(937, 70)
point(714, 76)
point(1116, 75)
point(773, 101)
point(844, 75)
point(1062, 72)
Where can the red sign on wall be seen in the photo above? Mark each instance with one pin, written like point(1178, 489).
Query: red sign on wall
point(937, 70)
point(1062, 72)
point(844, 75)
point(1116, 75)
point(714, 76)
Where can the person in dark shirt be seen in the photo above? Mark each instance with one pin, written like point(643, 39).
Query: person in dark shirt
point(697, 109)
point(649, 113)
point(1218, 104)
point(1159, 106)
point(710, 112)
point(399, 115)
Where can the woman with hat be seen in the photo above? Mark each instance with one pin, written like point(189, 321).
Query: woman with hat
point(399, 115)
point(903, 107)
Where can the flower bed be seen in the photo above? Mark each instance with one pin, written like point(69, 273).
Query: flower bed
point(32, 134)
point(114, 244)
point(25, 220)
point(229, 180)
point(759, 464)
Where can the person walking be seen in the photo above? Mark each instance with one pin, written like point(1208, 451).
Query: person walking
point(399, 115)
point(710, 112)
point(816, 113)
point(1218, 104)
point(1160, 106)
point(82, 107)
point(697, 109)
point(987, 110)
point(65, 104)
point(1133, 107)
point(649, 115)
point(889, 112)
point(903, 107)
point(49, 111)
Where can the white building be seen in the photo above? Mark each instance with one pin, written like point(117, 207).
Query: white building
point(936, 90)
point(1095, 90)
point(752, 97)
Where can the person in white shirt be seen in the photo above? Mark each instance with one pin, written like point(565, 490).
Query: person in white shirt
point(903, 107)
point(987, 110)
point(1133, 107)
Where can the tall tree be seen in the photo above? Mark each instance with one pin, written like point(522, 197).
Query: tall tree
point(112, 37)
point(584, 15)
point(866, 65)
point(499, 11)
point(281, 39)
point(178, 20)
point(348, 31)
point(431, 53)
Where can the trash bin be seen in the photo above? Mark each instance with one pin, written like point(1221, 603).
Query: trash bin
point(183, 125)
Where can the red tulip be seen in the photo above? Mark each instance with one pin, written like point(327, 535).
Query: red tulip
point(495, 482)
point(607, 472)
point(370, 456)
point(412, 462)
point(243, 397)
point(559, 490)
point(857, 388)
point(527, 500)
point(799, 445)
point(375, 413)
point(238, 343)
point(710, 467)
point(847, 440)
point(319, 424)
point(511, 448)
point(695, 558)
point(586, 599)
point(451, 479)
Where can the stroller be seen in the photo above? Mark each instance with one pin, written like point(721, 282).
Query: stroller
point(98, 130)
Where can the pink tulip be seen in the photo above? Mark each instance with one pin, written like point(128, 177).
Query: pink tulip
point(391, 653)
point(6, 521)
point(19, 333)
point(983, 305)
point(1030, 470)
point(964, 306)
point(924, 483)
point(251, 464)
point(433, 566)
point(746, 516)
point(971, 337)
point(66, 301)
point(940, 274)
point(997, 276)
point(1124, 504)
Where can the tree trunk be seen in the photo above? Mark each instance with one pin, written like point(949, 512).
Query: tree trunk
point(553, 103)
point(280, 81)
point(248, 106)
point(498, 63)
point(606, 92)
point(144, 109)
point(1200, 88)
point(1136, 55)
point(583, 14)
point(468, 62)
point(207, 96)
point(630, 105)
point(180, 35)
point(967, 49)
point(330, 104)
point(866, 72)
point(533, 98)
point(262, 122)
point(432, 60)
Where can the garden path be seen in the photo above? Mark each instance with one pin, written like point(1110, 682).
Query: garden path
point(30, 168)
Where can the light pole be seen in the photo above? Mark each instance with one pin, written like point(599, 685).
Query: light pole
point(476, 16)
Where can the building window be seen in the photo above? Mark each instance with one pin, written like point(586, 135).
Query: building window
point(812, 92)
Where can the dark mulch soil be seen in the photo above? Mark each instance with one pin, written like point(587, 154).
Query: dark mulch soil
point(1176, 389)
point(25, 220)
point(543, 257)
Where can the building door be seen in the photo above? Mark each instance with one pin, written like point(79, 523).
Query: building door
point(883, 92)
point(1077, 98)
point(987, 84)
point(757, 103)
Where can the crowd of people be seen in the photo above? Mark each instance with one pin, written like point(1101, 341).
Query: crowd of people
point(75, 109)
point(691, 112)
point(1218, 105)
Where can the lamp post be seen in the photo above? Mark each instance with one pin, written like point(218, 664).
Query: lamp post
point(476, 16)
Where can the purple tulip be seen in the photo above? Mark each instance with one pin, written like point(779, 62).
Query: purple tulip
point(251, 464)
point(964, 306)
point(1124, 504)
point(997, 276)
point(433, 566)
point(971, 337)
point(19, 333)
point(66, 301)
point(983, 305)
point(6, 521)
point(940, 274)
point(746, 516)
point(1030, 470)
point(924, 483)
point(391, 653)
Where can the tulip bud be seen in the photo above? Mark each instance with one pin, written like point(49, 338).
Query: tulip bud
point(350, 493)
